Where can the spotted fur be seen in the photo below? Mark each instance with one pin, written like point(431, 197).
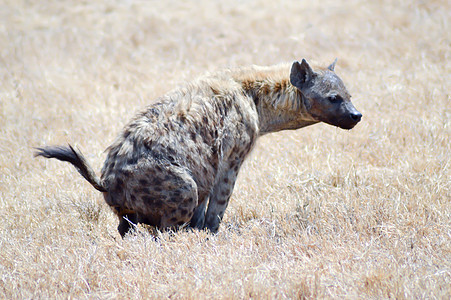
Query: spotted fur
point(177, 161)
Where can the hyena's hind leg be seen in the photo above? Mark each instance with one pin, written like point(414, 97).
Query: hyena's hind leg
point(128, 219)
point(180, 205)
point(127, 223)
point(164, 196)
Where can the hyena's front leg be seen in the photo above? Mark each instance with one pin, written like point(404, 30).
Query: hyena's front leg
point(219, 199)
point(198, 219)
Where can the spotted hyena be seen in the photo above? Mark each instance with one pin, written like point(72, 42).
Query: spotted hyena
point(177, 161)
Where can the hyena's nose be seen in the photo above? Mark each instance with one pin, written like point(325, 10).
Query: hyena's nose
point(356, 116)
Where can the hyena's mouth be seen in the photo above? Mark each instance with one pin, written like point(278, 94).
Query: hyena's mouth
point(350, 121)
point(347, 122)
point(347, 126)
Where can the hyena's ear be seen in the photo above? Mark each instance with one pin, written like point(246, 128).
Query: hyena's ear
point(332, 65)
point(301, 74)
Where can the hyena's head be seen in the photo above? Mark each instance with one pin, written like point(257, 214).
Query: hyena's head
point(325, 96)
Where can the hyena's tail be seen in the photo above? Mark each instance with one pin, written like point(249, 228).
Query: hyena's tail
point(69, 154)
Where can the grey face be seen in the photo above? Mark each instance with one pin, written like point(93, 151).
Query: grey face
point(325, 96)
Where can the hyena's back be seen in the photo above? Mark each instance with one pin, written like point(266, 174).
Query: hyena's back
point(169, 159)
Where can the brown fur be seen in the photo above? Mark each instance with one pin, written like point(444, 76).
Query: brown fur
point(177, 161)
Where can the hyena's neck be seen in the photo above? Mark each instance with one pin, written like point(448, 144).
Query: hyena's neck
point(279, 104)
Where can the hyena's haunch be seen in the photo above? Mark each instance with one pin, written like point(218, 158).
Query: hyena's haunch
point(177, 161)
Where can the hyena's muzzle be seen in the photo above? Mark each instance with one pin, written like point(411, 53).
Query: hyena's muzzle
point(340, 113)
point(347, 116)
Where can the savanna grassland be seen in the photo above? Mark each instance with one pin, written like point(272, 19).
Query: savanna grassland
point(317, 213)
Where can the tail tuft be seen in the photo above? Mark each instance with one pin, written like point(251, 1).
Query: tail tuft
point(76, 158)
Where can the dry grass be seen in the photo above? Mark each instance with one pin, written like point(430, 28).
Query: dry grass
point(318, 212)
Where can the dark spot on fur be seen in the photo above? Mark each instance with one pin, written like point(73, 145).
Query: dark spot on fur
point(182, 116)
point(193, 135)
point(284, 83)
point(180, 223)
point(119, 185)
point(163, 197)
point(174, 219)
point(171, 150)
point(226, 180)
point(180, 124)
point(206, 138)
point(143, 182)
point(204, 169)
point(256, 100)
point(123, 173)
point(220, 110)
point(215, 162)
point(157, 156)
point(174, 200)
point(152, 112)
point(184, 212)
point(144, 190)
point(248, 85)
point(135, 145)
point(126, 134)
point(147, 199)
point(222, 202)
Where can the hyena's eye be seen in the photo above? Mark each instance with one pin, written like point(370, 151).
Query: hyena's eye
point(335, 98)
